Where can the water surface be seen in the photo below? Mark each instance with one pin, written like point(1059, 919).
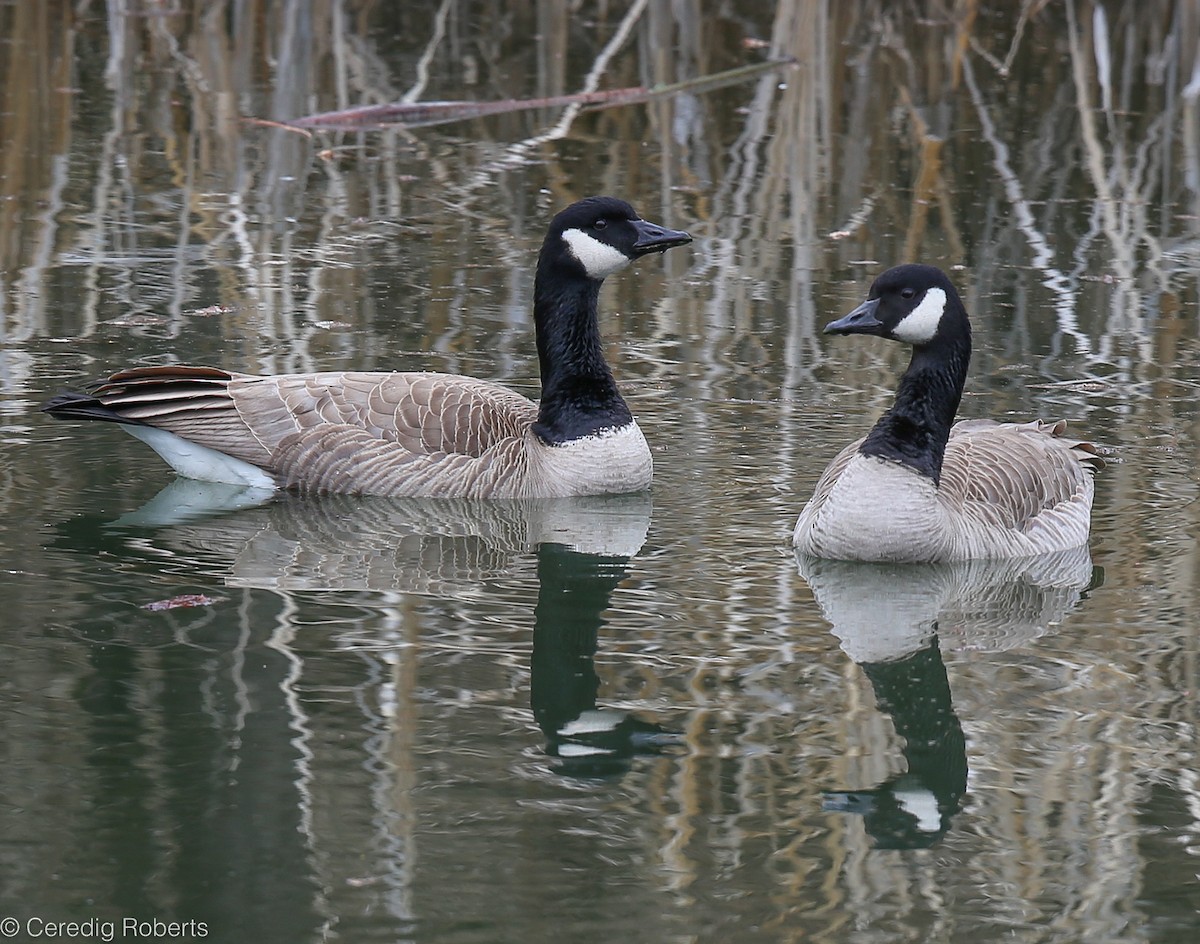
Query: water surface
point(633, 719)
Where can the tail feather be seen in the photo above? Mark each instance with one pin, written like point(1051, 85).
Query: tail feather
point(142, 395)
point(84, 406)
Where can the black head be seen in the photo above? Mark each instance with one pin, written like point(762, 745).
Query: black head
point(916, 304)
point(598, 236)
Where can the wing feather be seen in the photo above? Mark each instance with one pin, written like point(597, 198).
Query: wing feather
point(350, 460)
point(424, 413)
point(1012, 476)
point(438, 419)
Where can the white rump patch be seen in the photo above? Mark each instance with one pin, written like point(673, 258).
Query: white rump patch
point(599, 259)
point(194, 461)
point(920, 325)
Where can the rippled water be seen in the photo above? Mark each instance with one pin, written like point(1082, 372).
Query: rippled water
point(637, 718)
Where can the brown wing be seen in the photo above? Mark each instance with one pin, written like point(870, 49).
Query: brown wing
point(1006, 475)
point(346, 459)
point(426, 414)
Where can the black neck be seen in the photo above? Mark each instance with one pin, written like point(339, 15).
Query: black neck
point(915, 430)
point(579, 394)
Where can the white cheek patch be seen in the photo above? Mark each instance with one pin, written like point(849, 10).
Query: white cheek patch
point(920, 325)
point(598, 259)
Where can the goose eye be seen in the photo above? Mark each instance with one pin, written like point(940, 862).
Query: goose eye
point(907, 292)
point(600, 224)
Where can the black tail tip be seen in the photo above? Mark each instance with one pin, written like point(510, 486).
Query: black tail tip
point(80, 406)
point(65, 402)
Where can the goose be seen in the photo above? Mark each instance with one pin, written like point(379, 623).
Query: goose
point(917, 488)
point(417, 434)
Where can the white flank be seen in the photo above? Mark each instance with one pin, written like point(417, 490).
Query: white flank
point(194, 461)
point(921, 324)
point(599, 259)
point(580, 750)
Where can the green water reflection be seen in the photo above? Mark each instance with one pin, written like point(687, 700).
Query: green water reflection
point(638, 719)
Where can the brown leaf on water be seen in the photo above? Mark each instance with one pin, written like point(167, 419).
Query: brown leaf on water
point(183, 600)
point(136, 321)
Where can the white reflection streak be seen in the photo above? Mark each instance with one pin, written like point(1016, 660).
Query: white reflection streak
point(241, 691)
point(93, 236)
point(439, 32)
point(30, 306)
point(1191, 145)
point(1043, 256)
point(1103, 60)
point(180, 284)
point(517, 153)
point(337, 16)
point(723, 252)
point(280, 640)
point(1114, 213)
point(395, 819)
point(1189, 786)
point(235, 220)
point(802, 351)
point(1109, 894)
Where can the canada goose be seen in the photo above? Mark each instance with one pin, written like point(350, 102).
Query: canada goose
point(915, 489)
point(417, 434)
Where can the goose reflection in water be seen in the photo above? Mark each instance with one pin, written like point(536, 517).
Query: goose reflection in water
point(892, 620)
point(574, 590)
point(444, 547)
point(223, 734)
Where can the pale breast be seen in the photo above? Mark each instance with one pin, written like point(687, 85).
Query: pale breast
point(876, 510)
point(612, 461)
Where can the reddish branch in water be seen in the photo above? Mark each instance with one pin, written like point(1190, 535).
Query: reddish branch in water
point(432, 113)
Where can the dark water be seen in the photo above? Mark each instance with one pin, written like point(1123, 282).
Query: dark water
point(634, 719)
